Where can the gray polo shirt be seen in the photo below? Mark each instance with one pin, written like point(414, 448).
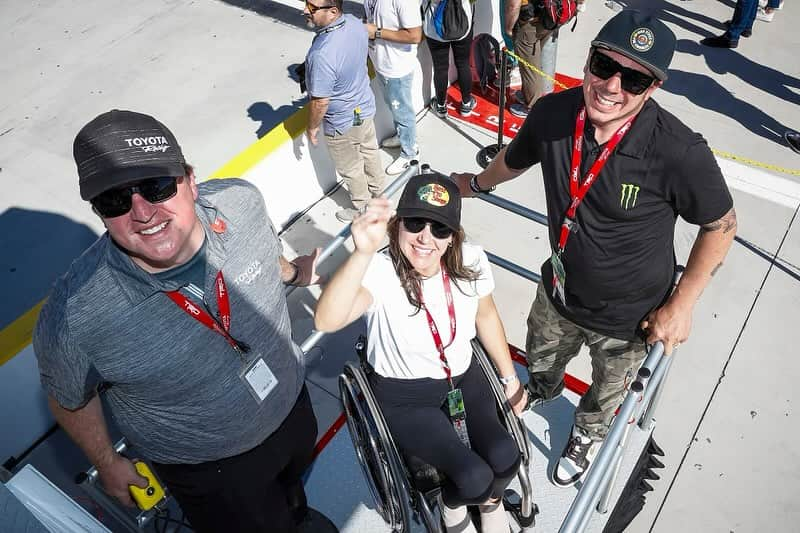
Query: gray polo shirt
point(336, 68)
point(175, 387)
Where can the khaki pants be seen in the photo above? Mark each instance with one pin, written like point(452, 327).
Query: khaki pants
point(528, 40)
point(355, 156)
point(553, 341)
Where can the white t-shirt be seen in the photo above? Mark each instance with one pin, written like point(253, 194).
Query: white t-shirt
point(393, 60)
point(399, 342)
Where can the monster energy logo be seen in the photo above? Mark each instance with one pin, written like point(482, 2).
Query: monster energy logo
point(630, 193)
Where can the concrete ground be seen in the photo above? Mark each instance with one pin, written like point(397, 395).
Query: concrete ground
point(217, 73)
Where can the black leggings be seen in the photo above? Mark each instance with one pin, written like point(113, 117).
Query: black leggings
point(440, 54)
point(420, 426)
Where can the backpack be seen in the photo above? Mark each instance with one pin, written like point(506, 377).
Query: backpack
point(486, 58)
point(556, 13)
point(451, 21)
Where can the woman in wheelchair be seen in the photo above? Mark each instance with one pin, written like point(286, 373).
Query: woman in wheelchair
point(424, 301)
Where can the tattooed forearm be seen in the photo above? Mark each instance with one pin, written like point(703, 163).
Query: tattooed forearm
point(726, 223)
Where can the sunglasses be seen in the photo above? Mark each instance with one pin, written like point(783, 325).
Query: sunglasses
point(117, 202)
point(633, 81)
point(313, 9)
point(416, 224)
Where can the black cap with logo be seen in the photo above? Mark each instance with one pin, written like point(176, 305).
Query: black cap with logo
point(641, 37)
point(120, 147)
point(433, 196)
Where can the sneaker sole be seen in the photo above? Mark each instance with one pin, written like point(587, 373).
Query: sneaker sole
point(558, 483)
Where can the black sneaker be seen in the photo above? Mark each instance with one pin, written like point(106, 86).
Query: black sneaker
point(535, 399)
point(466, 108)
point(439, 110)
point(745, 33)
point(793, 140)
point(576, 458)
point(720, 41)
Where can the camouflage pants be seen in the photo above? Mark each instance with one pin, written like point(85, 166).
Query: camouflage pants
point(553, 341)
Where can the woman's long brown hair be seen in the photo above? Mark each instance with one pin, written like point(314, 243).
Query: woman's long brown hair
point(411, 280)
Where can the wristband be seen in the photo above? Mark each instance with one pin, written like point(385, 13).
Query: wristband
point(509, 380)
point(476, 188)
point(378, 33)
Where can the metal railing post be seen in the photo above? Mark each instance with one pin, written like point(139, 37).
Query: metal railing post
point(489, 152)
point(602, 505)
point(590, 491)
point(652, 396)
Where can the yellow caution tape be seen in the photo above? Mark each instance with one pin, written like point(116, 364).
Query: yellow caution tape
point(751, 162)
point(719, 153)
point(536, 70)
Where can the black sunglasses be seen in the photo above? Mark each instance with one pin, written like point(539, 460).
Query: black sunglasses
point(416, 224)
point(313, 9)
point(633, 81)
point(117, 202)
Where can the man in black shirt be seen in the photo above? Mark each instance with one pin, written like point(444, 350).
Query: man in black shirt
point(612, 201)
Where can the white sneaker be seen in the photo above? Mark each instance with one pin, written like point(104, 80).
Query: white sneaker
point(399, 165)
point(391, 142)
point(347, 214)
point(456, 520)
point(576, 458)
point(763, 15)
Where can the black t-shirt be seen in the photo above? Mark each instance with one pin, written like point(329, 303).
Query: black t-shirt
point(620, 261)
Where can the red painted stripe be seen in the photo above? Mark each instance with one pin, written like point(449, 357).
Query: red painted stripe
point(485, 113)
point(571, 382)
point(332, 431)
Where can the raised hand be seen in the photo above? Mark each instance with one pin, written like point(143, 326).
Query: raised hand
point(369, 227)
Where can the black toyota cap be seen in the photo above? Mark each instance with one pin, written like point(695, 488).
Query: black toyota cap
point(641, 37)
point(120, 147)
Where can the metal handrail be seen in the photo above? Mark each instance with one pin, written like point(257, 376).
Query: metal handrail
point(513, 207)
point(603, 472)
point(642, 396)
point(513, 267)
point(412, 170)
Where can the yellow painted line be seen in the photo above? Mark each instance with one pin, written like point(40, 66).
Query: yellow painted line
point(719, 153)
point(17, 335)
point(256, 152)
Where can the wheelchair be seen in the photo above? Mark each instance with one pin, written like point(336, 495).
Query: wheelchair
point(405, 487)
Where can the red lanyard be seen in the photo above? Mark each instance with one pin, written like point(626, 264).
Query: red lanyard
point(224, 305)
point(437, 339)
point(577, 190)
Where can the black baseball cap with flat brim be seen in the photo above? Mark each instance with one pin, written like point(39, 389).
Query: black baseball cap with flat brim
point(433, 196)
point(121, 147)
point(640, 37)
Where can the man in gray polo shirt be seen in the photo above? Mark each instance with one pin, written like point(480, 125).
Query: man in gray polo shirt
point(342, 102)
point(178, 312)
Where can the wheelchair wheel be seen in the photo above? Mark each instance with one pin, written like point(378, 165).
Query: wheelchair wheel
point(380, 462)
point(515, 426)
